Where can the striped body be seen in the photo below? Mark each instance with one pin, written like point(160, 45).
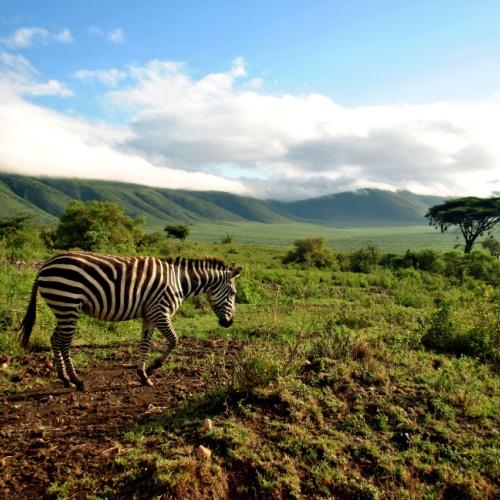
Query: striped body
point(121, 288)
point(109, 288)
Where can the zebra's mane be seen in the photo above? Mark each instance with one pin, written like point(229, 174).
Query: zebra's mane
point(213, 262)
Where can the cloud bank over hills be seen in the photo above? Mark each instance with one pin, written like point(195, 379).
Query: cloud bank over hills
point(161, 126)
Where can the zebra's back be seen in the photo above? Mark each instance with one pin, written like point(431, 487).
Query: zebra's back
point(102, 286)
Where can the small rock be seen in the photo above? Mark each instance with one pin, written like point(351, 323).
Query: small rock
point(203, 453)
point(5, 366)
point(207, 425)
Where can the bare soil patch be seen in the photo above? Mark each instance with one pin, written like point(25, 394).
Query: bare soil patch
point(50, 434)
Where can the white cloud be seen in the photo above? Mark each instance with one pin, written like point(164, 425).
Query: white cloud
point(115, 35)
point(222, 131)
point(39, 141)
point(16, 72)
point(306, 144)
point(110, 77)
point(63, 36)
point(26, 37)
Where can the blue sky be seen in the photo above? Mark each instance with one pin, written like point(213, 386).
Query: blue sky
point(384, 73)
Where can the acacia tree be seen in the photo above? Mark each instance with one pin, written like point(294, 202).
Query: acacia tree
point(179, 231)
point(474, 217)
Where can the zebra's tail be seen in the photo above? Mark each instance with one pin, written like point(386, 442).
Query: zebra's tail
point(29, 318)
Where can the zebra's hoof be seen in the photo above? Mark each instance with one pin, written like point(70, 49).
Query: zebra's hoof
point(80, 386)
point(147, 382)
point(144, 378)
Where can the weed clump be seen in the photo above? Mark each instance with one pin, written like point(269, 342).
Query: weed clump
point(259, 367)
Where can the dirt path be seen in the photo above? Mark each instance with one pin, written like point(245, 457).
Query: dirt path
point(50, 433)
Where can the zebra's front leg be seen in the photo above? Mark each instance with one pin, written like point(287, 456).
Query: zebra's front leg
point(144, 348)
point(164, 324)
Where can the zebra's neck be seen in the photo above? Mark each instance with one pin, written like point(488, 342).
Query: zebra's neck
point(197, 276)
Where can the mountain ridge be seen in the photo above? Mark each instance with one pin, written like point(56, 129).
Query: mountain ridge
point(45, 198)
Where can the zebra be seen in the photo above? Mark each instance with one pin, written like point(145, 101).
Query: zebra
point(113, 288)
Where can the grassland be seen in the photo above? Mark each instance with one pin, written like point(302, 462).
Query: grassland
point(334, 390)
point(389, 238)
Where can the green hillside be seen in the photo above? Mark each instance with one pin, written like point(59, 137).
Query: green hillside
point(46, 198)
point(364, 207)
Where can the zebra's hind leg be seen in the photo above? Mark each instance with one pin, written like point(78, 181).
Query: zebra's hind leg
point(61, 371)
point(66, 327)
point(144, 348)
point(164, 324)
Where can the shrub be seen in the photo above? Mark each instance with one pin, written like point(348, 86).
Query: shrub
point(20, 239)
point(483, 267)
point(151, 241)
point(311, 251)
point(228, 239)
point(492, 245)
point(473, 331)
point(365, 259)
point(430, 260)
point(248, 290)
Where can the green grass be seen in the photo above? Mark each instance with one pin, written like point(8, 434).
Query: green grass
point(389, 239)
point(336, 394)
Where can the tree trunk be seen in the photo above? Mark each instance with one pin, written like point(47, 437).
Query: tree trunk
point(468, 245)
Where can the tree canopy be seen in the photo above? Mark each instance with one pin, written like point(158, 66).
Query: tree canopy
point(474, 216)
point(179, 231)
point(97, 225)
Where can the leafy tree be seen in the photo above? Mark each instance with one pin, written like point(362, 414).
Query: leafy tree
point(474, 217)
point(179, 231)
point(492, 245)
point(97, 225)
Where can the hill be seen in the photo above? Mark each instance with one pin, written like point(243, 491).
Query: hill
point(364, 207)
point(46, 198)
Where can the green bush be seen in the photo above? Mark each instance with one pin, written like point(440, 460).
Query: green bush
point(492, 245)
point(430, 260)
point(312, 252)
point(155, 243)
point(365, 259)
point(248, 290)
point(473, 330)
point(483, 267)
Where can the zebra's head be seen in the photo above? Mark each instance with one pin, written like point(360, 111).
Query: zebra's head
point(223, 294)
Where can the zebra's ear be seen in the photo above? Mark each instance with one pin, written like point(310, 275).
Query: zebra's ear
point(236, 272)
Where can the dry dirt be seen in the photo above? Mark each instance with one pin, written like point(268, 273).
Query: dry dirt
point(49, 433)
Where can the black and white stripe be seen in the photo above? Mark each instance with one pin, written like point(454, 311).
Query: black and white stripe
point(121, 288)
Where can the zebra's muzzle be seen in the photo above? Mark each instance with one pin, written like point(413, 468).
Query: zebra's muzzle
point(226, 323)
